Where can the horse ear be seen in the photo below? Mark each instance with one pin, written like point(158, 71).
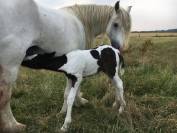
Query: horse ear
point(117, 6)
point(129, 9)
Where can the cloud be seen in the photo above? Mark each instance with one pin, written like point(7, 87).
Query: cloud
point(154, 15)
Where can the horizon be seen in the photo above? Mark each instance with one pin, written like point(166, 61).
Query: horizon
point(147, 15)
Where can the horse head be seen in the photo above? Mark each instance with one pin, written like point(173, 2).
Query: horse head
point(119, 26)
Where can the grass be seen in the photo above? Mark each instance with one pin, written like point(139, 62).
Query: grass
point(150, 82)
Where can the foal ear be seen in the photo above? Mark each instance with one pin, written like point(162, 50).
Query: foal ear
point(117, 6)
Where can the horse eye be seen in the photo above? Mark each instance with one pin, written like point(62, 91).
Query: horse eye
point(116, 25)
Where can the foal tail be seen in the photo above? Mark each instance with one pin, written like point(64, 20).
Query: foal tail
point(121, 65)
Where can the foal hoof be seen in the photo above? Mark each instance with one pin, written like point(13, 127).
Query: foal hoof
point(84, 101)
point(63, 129)
point(80, 102)
point(114, 105)
point(62, 111)
point(121, 109)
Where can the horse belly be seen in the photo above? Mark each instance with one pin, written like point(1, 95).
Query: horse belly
point(19, 27)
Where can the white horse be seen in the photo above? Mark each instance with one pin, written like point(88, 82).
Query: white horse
point(24, 24)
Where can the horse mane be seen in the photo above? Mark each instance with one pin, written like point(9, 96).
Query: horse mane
point(95, 19)
point(126, 19)
point(92, 16)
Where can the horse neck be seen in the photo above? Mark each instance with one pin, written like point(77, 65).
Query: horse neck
point(94, 19)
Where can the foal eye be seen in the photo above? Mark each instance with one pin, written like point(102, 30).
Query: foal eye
point(116, 25)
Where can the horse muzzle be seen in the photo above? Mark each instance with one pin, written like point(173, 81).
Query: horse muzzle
point(117, 45)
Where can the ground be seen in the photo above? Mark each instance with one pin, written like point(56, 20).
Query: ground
point(150, 82)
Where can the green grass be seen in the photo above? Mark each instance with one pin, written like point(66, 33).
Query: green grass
point(150, 82)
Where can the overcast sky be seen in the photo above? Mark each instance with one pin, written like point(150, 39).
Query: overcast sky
point(146, 14)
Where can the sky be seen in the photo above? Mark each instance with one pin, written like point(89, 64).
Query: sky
point(146, 14)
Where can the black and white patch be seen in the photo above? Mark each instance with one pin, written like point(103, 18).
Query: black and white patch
point(34, 50)
point(46, 61)
point(72, 78)
point(95, 54)
point(107, 62)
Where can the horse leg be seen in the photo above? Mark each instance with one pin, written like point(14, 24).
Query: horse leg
point(66, 93)
point(119, 93)
point(70, 101)
point(7, 120)
point(11, 55)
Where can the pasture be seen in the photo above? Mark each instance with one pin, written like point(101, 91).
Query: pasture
point(150, 84)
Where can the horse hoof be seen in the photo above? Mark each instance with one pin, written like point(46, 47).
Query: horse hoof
point(17, 128)
point(21, 127)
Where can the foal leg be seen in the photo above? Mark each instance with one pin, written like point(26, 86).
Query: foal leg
point(119, 92)
point(70, 101)
point(79, 99)
point(67, 90)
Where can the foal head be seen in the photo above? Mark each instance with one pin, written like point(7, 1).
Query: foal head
point(119, 27)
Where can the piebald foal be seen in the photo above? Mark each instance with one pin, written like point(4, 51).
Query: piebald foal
point(78, 64)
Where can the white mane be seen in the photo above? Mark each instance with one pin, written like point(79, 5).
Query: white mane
point(94, 18)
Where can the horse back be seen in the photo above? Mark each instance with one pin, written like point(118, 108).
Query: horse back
point(18, 17)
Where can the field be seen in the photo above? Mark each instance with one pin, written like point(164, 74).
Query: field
point(150, 82)
point(155, 34)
